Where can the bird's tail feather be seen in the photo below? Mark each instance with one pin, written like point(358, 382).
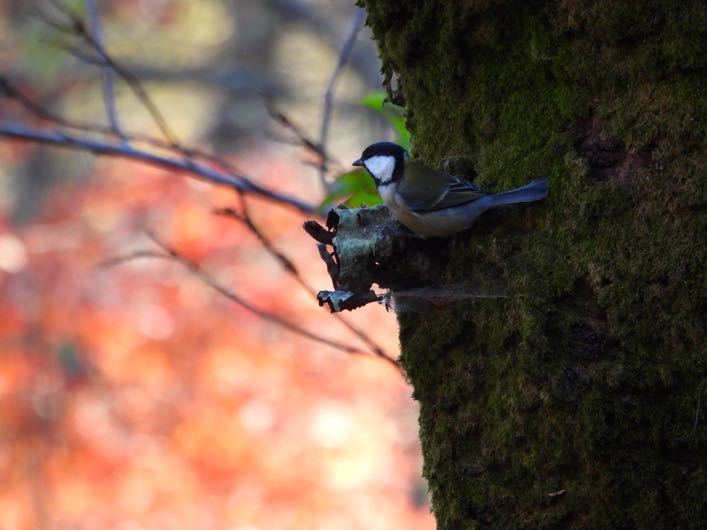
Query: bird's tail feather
point(534, 191)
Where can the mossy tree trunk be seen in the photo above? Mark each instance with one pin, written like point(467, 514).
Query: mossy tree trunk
point(575, 401)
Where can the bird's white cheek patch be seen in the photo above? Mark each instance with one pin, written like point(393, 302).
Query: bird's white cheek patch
point(381, 167)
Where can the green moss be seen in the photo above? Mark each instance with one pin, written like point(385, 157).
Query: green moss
point(587, 375)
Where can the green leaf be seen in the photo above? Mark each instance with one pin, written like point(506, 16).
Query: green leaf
point(374, 100)
point(394, 114)
point(355, 188)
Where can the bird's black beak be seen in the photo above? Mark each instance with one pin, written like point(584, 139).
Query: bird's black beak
point(358, 162)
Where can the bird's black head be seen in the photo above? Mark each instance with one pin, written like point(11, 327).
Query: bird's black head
point(384, 161)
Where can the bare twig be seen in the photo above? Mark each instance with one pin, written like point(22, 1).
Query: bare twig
point(245, 218)
point(142, 95)
point(316, 21)
point(344, 56)
point(78, 28)
point(126, 258)
point(94, 20)
point(190, 167)
point(11, 91)
point(171, 254)
point(301, 137)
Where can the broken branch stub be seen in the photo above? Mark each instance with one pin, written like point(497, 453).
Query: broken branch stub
point(369, 247)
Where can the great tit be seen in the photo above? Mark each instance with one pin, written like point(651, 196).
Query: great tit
point(429, 202)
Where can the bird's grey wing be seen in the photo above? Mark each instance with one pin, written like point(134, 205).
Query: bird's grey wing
point(424, 189)
point(459, 192)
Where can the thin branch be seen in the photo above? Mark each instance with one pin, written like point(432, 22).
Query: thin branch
point(245, 218)
point(344, 56)
point(315, 20)
point(171, 254)
point(85, 56)
point(142, 95)
point(190, 167)
point(127, 258)
point(40, 11)
point(78, 27)
point(11, 91)
point(301, 137)
point(94, 20)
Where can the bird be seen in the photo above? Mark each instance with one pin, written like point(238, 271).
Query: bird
point(432, 203)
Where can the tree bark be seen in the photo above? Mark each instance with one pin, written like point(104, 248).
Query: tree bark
point(577, 400)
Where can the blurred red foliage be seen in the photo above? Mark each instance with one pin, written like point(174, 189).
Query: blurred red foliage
point(133, 397)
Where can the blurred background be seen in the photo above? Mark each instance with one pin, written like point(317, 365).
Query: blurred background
point(134, 397)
